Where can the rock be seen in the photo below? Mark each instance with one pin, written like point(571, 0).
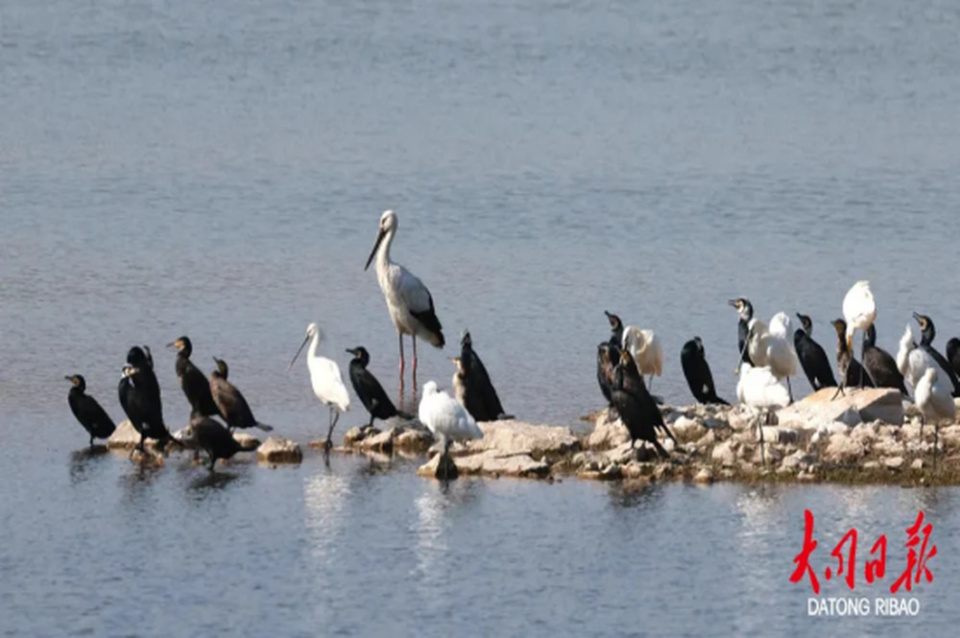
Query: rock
point(917, 464)
point(607, 435)
point(713, 424)
point(871, 465)
point(687, 429)
point(703, 476)
point(883, 404)
point(893, 462)
point(492, 463)
point(796, 460)
point(517, 437)
point(413, 440)
point(277, 450)
point(842, 448)
point(247, 442)
point(806, 477)
point(725, 453)
point(356, 434)
point(381, 441)
point(779, 434)
point(126, 438)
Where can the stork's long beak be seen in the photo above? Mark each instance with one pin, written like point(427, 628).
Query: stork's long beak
point(299, 350)
point(376, 244)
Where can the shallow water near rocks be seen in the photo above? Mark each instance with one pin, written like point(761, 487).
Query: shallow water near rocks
point(218, 171)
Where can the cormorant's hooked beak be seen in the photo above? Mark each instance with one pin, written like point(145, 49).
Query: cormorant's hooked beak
point(376, 245)
point(70, 379)
point(349, 350)
point(735, 303)
point(917, 316)
point(299, 350)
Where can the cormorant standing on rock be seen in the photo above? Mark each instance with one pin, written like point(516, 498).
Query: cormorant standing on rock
point(812, 357)
point(88, 410)
point(369, 390)
point(234, 408)
point(693, 359)
point(482, 401)
point(193, 382)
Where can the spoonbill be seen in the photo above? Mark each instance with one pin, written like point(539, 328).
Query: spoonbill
point(638, 411)
point(927, 334)
point(194, 383)
point(645, 348)
point(934, 399)
point(745, 311)
point(812, 357)
point(449, 421)
point(142, 405)
point(408, 300)
point(770, 348)
point(849, 368)
point(230, 402)
point(88, 410)
point(859, 311)
point(368, 389)
point(880, 365)
point(325, 379)
point(482, 401)
point(759, 388)
point(693, 360)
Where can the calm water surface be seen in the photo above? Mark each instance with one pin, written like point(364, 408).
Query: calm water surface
point(173, 168)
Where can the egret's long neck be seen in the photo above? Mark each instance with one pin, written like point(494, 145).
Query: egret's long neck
point(383, 253)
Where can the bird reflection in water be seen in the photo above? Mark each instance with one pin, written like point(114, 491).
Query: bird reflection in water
point(213, 481)
point(628, 494)
point(324, 495)
point(82, 461)
point(438, 506)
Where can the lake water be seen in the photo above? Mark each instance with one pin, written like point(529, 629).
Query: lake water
point(175, 167)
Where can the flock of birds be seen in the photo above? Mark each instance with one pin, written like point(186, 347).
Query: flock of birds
point(769, 355)
point(216, 399)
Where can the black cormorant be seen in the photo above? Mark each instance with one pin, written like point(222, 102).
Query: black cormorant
point(813, 359)
point(637, 409)
point(880, 365)
point(369, 390)
point(484, 403)
point(210, 436)
point(745, 311)
point(928, 332)
point(193, 382)
point(234, 408)
point(88, 411)
point(851, 372)
point(139, 397)
point(693, 359)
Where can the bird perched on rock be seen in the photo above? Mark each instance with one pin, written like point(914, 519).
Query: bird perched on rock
point(761, 390)
point(230, 402)
point(927, 334)
point(193, 382)
point(859, 313)
point(770, 348)
point(912, 360)
point(449, 421)
point(88, 410)
point(480, 397)
point(139, 396)
point(850, 371)
point(693, 360)
point(213, 438)
point(745, 311)
point(638, 411)
point(325, 379)
point(644, 346)
point(608, 354)
point(935, 401)
point(368, 389)
point(880, 365)
point(812, 357)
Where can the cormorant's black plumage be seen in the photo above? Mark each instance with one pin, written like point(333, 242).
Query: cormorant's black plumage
point(483, 403)
point(880, 365)
point(813, 358)
point(88, 410)
point(852, 374)
point(693, 360)
point(638, 411)
point(928, 332)
point(953, 354)
point(139, 394)
point(216, 440)
point(234, 408)
point(193, 382)
point(368, 388)
point(745, 311)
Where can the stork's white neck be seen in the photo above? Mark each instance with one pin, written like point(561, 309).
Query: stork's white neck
point(383, 253)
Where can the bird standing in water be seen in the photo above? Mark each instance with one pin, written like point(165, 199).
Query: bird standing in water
point(193, 382)
point(368, 389)
point(812, 357)
point(326, 380)
point(230, 402)
point(139, 395)
point(210, 436)
point(693, 360)
point(449, 421)
point(408, 300)
point(88, 410)
point(927, 334)
point(481, 399)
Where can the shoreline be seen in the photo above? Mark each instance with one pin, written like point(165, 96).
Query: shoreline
point(851, 440)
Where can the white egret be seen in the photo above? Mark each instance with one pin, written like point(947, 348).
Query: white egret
point(759, 388)
point(449, 421)
point(645, 348)
point(935, 401)
point(859, 311)
point(408, 300)
point(772, 348)
point(325, 379)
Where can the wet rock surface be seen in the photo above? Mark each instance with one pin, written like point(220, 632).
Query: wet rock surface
point(276, 450)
